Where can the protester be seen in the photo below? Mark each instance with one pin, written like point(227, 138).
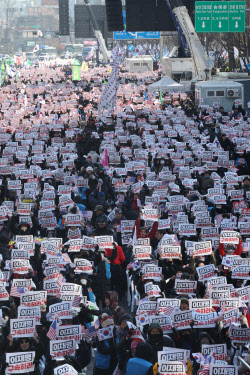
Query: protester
point(140, 208)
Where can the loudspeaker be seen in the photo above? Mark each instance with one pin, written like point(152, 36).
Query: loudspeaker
point(148, 15)
point(81, 26)
point(164, 20)
point(63, 17)
point(114, 15)
point(140, 15)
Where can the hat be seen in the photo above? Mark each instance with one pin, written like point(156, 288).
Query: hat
point(89, 169)
point(118, 211)
point(98, 207)
point(184, 300)
point(106, 321)
point(134, 343)
point(125, 318)
point(101, 249)
point(241, 161)
point(102, 221)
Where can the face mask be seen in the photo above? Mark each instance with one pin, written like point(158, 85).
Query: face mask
point(219, 206)
point(178, 275)
point(186, 337)
point(109, 210)
point(155, 337)
point(83, 281)
point(162, 162)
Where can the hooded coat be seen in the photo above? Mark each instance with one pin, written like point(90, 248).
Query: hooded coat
point(158, 345)
point(116, 310)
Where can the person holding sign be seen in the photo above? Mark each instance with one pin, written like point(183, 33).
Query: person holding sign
point(157, 340)
point(106, 357)
point(230, 249)
point(27, 344)
point(141, 232)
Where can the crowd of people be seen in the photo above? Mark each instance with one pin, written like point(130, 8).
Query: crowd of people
point(146, 211)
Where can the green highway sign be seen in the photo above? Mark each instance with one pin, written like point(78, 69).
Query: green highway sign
point(220, 16)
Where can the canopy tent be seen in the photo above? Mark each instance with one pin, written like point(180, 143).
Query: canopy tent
point(166, 84)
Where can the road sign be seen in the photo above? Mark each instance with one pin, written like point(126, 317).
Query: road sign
point(131, 47)
point(36, 26)
point(220, 16)
point(119, 35)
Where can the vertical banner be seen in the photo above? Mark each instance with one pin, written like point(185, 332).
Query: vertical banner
point(76, 73)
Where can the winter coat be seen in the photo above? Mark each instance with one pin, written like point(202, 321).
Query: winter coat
point(157, 346)
point(138, 366)
point(116, 310)
point(101, 284)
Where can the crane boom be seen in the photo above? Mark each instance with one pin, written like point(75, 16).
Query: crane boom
point(97, 32)
point(201, 61)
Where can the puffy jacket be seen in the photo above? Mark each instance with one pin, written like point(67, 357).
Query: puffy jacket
point(157, 346)
point(238, 250)
point(151, 234)
point(120, 255)
point(105, 350)
point(138, 366)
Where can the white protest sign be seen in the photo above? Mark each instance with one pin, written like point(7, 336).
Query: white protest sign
point(206, 272)
point(231, 237)
point(22, 327)
point(202, 248)
point(20, 362)
point(61, 348)
point(184, 287)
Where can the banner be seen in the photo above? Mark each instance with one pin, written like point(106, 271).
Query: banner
point(105, 241)
point(202, 248)
point(203, 306)
point(170, 252)
point(76, 76)
point(219, 350)
point(216, 369)
point(83, 265)
point(185, 287)
point(206, 320)
point(29, 312)
point(65, 369)
point(61, 348)
point(20, 362)
point(167, 305)
point(206, 272)
point(238, 334)
point(22, 328)
point(229, 237)
point(150, 307)
point(231, 317)
point(142, 252)
point(173, 354)
point(182, 320)
point(62, 310)
point(33, 298)
point(171, 368)
point(67, 332)
point(165, 322)
point(152, 272)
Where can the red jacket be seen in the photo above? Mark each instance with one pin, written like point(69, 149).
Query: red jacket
point(120, 255)
point(151, 234)
point(238, 250)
